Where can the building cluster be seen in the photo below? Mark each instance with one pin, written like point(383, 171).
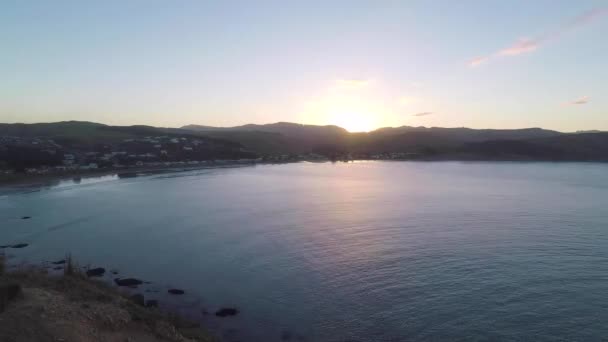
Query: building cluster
point(394, 156)
point(290, 158)
point(42, 156)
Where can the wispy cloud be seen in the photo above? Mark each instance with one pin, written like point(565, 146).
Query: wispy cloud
point(422, 114)
point(522, 46)
point(526, 45)
point(580, 101)
point(478, 61)
point(351, 83)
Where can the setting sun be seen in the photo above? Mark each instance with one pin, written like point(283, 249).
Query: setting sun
point(352, 105)
point(353, 121)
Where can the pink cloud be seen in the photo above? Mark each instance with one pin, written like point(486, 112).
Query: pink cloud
point(478, 61)
point(580, 101)
point(526, 45)
point(522, 46)
point(588, 17)
point(423, 114)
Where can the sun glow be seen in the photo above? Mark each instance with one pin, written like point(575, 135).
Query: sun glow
point(354, 105)
point(352, 120)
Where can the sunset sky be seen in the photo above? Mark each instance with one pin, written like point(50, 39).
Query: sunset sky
point(357, 64)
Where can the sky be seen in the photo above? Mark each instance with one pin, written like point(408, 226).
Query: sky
point(357, 64)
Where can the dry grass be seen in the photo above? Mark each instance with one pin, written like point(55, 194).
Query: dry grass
point(2, 264)
point(76, 288)
point(70, 269)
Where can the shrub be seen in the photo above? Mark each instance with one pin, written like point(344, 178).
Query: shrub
point(2, 264)
point(69, 269)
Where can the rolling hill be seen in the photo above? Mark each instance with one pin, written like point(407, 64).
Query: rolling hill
point(434, 143)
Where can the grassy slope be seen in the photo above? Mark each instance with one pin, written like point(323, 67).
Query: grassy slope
point(89, 133)
point(72, 308)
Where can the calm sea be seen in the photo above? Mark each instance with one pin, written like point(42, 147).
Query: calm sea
point(366, 251)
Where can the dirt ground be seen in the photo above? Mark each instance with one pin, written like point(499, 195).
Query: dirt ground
point(75, 309)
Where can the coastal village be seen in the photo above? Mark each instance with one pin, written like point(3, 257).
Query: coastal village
point(40, 156)
point(46, 156)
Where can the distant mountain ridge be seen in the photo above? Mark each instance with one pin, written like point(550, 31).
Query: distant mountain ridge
point(301, 138)
point(286, 128)
point(290, 138)
point(91, 133)
point(289, 128)
point(459, 143)
point(285, 137)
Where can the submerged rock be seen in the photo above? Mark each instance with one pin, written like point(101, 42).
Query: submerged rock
point(286, 336)
point(8, 292)
point(20, 245)
point(138, 299)
point(60, 262)
point(26, 217)
point(225, 312)
point(152, 303)
point(96, 272)
point(132, 282)
point(176, 291)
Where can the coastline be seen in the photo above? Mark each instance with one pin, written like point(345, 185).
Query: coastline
point(36, 305)
point(26, 180)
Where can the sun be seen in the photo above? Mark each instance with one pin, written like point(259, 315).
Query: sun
point(352, 121)
point(353, 110)
point(352, 114)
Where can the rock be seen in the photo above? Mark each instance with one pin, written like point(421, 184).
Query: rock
point(60, 262)
point(225, 312)
point(20, 245)
point(96, 272)
point(132, 282)
point(286, 336)
point(176, 291)
point(8, 292)
point(26, 217)
point(152, 303)
point(138, 299)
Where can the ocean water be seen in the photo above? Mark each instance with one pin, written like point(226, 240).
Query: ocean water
point(365, 251)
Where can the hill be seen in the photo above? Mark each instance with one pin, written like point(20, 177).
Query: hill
point(280, 137)
point(286, 137)
point(205, 142)
point(76, 144)
point(82, 133)
point(412, 139)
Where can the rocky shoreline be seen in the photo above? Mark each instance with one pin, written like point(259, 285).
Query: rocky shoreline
point(38, 306)
point(71, 303)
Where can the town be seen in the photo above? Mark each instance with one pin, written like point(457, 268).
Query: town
point(47, 156)
point(40, 156)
